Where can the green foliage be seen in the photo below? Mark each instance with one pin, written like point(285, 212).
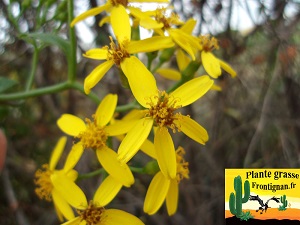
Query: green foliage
point(6, 84)
point(236, 200)
point(50, 39)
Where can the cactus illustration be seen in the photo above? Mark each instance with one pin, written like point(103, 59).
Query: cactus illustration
point(236, 200)
point(284, 203)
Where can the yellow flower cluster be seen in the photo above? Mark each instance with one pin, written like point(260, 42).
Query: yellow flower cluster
point(156, 112)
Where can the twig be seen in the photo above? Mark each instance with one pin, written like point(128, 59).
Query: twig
point(12, 200)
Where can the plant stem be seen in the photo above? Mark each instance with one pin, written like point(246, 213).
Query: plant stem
point(33, 68)
point(72, 59)
point(91, 174)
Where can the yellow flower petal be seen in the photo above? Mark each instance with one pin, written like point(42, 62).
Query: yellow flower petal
point(119, 171)
point(148, 148)
point(149, 23)
point(192, 90)
point(172, 198)
point(107, 191)
point(183, 40)
point(165, 152)
point(91, 12)
point(116, 217)
point(160, 32)
point(211, 64)
point(73, 157)
point(56, 153)
point(70, 124)
point(62, 205)
point(182, 60)
point(76, 221)
point(104, 20)
point(59, 214)
point(227, 68)
point(119, 127)
point(156, 193)
point(136, 12)
point(72, 174)
point(169, 73)
point(96, 75)
point(188, 26)
point(134, 139)
point(192, 129)
point(134, 114)
point(106, 109)
point(96, 53)
point(141, 81)
point(69, 190)
point(150, 44)
point(216, 87)
point(120, 23)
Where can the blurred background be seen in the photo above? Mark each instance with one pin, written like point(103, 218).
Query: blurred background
point(253, 122)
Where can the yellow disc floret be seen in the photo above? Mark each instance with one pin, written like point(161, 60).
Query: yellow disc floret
point(208, 43)
point(94, 136)
point(43, 183)
point(182, 165)
point(92, 215)
point(161, 17)
point(163, 111)
point(117, 53)
point(121, 2)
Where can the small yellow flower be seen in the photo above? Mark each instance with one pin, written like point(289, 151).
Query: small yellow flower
point(94, 134)
point(110, 6)
point(93, 212)
point(182, 61)
point(120, 54)
point(161, 112)
point(160, 22)
point(46, 190)
point(162, 188)
point(212, 64)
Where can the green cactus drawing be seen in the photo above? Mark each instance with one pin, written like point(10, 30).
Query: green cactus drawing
point(236, 200)
point(284, 203)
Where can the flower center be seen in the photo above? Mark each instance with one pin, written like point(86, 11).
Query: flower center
point(121, 2)
point(94, 136)
point(208, 44)
point(117, 53)
point(92, 214)
point(182, 165)
point(43, 183)
point(163, 111)
point(161, 17)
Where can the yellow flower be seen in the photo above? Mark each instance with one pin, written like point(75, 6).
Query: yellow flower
point(162, 188)
point(161, 112)
point(94, 134)
point(212, 64)
point(158, 21)
point(93, 212)
point(120, 53)
point(182, 61)
point(110, 6)
point(46, 190)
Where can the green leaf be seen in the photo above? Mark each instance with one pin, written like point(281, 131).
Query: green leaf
point(6, 83)
point(51, 39)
